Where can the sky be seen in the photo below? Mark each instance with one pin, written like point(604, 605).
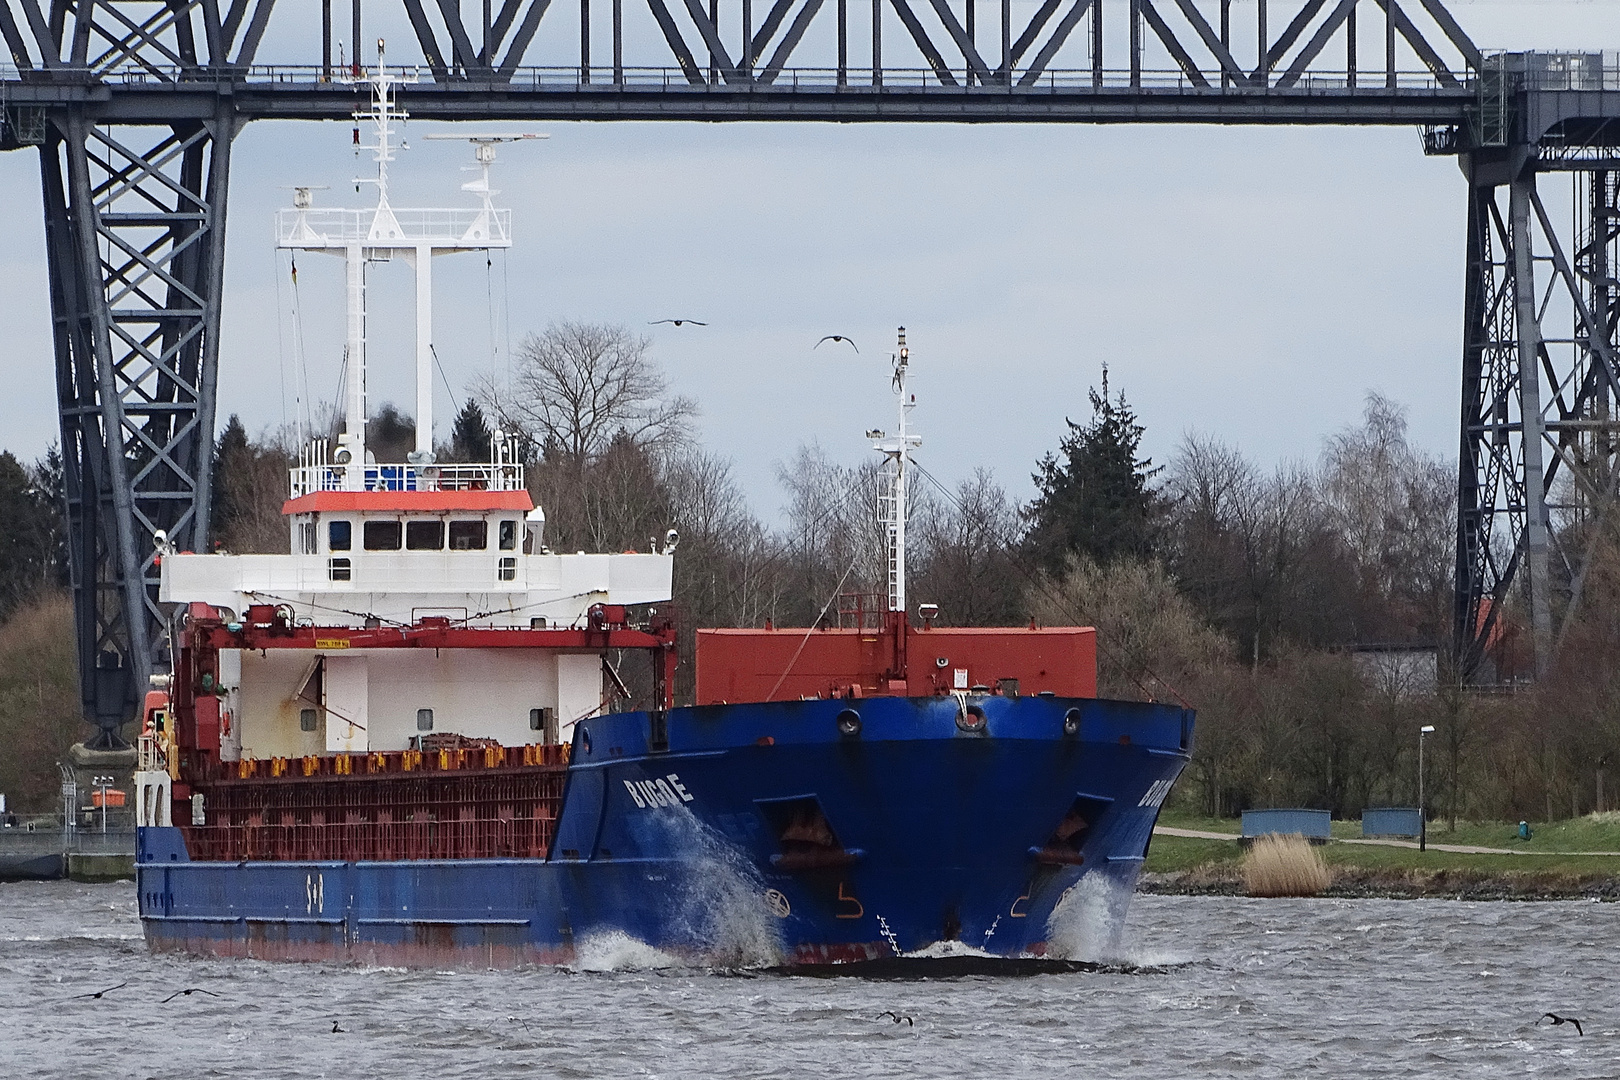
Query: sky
point(1247, 283)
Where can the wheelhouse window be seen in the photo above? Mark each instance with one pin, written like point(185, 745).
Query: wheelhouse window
point(469, 535)
point(382, 535)
point(308, 720)
point(308, 537)
point(508, 569)
point(424, 535)
point(424, 719)
point(509, 534)
point(337, 535)
point(338, 569)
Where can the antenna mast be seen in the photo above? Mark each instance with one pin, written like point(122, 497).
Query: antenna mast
point(897, 448)
point(413, 235)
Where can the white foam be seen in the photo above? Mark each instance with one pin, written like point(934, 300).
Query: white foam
point(1089, 920)
point(716, 915)
point(940, 950)
point(616, 951)
point(722, 910)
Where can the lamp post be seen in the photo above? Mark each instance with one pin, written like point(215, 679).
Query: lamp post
point(102, 783)
point(1423, 817)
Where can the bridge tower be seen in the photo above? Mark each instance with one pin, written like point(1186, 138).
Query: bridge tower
point(1539, 427)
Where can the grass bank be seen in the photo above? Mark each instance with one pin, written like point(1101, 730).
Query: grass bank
point(1187, 866)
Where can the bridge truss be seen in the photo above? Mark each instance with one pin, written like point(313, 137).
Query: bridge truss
point(132, 106)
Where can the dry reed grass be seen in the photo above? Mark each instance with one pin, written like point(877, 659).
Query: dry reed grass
point(1284, 866)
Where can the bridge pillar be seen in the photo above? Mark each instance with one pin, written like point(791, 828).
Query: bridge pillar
point(135, 231)
point(1538, 469)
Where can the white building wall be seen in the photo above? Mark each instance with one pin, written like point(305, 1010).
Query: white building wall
point(580, 679)
point(402, 586)
point(266, 720)
point(348, 700)
point(479, 693)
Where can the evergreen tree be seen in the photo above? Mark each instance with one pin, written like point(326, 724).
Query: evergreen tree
point(1097, 498)
point(32, 546)
point(390, 434)
point(50, 517)
point(469, 438)
point(232, 456)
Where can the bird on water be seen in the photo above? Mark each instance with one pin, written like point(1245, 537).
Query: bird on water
point(1556, 1020)
point(838, 337)
point(677, 322)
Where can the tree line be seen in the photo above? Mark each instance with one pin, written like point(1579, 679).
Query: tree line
point(1303, 609)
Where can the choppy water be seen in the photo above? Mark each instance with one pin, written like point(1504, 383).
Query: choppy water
point(1205, 987)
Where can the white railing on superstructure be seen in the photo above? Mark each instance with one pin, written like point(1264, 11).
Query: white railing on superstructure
point(336, 228)
point(316, 471)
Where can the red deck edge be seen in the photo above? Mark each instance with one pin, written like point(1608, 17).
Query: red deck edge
point(385, 501)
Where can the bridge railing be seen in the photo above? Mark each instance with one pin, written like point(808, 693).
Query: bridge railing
point(1603, 75)
point(1557, 70)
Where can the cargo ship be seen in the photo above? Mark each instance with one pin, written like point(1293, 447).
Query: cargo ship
point(409, 740)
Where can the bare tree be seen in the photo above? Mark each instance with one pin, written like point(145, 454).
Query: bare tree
point(729, 569)
point(966, 562)
point(578, 386)
point(1392, 506)
point(836, 531)
point(40, 715)
point(1246, 547)
point(1151, 641)
point(250, 487)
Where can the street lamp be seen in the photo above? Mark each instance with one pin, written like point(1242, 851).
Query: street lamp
point(1423, 817)
point(102, 783)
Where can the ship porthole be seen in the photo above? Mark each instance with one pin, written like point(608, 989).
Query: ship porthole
point(1071, 722)
point(849, 723)
point(971, 719)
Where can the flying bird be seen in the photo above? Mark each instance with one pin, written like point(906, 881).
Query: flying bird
point(841, 338)
point(677, 322)
point(1556, 1020)
point(896, 1017)
point(187, 993)
point(98, 993)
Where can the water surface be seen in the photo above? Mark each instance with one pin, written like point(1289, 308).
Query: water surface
point(1200, 987)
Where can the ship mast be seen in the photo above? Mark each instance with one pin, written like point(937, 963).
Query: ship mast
point(415, 236)
point(897, 448)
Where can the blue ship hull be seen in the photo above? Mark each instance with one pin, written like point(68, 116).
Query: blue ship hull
point(739, 834)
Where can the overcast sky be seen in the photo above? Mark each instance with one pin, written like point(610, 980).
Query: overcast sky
point(1249, 283)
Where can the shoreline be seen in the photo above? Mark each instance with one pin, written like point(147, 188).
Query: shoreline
point(1392, 883)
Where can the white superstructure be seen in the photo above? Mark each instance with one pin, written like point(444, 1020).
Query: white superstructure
point(383, 556)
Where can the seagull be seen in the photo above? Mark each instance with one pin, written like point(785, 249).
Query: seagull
point(337, 1030)
point(187, 993)
point(677, 322)
point(1556, 1020)
point(109, 990)
point(897, 1017)
point(838, 337)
